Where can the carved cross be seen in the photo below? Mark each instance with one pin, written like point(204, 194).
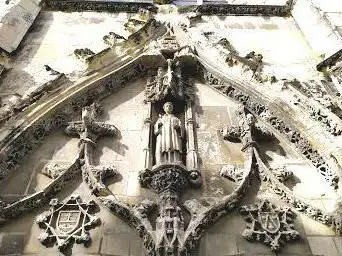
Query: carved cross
point(89, 131)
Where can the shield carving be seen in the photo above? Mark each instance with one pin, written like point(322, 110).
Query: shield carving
point(269, 221)
point(68, 221)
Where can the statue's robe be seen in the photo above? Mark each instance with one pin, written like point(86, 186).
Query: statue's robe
point(168, 129)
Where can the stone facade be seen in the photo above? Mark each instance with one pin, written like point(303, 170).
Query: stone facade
point(157, 128)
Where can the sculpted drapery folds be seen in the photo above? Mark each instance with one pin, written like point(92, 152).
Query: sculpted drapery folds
point(169, 133)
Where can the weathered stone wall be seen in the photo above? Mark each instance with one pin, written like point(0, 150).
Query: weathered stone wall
point(52, 40)
point(126, 110)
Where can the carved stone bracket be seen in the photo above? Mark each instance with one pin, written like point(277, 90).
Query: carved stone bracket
point(269, 224)
point(67, 222)
point(167, 177)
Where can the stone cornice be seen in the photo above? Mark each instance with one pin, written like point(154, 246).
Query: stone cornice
point(209, 8)
point(99, 6)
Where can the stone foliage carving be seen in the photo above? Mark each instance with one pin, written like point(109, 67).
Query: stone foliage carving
point(251, 63)
point(329, 124)
point(67, 222)
point(317, 90)
point(166, 177)
point(269, 224)
point(112, 39)
point(83, 54)
point(53, 170)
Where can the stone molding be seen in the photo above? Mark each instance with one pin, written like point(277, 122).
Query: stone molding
point(253, 10)
point(104, 6)
point(216, 8)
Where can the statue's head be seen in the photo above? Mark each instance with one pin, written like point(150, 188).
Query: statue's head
point(250, 119)
point(160, 71)
point(168, 107)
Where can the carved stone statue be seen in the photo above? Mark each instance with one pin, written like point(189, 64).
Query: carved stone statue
point(164, 83)
point(169, 132)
